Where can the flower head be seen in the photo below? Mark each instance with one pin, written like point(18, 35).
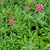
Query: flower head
point(11, 21)
point(32, 0)
point(39, 7)
point(27, 8)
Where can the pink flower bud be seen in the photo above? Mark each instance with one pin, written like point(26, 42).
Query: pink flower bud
point(13, 17)
point(32, 0)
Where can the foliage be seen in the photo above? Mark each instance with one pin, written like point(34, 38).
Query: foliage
point(32, 28)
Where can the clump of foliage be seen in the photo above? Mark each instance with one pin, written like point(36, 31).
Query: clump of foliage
point(31, 30)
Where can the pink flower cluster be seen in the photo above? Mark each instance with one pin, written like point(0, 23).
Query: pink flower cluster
point(27, 8)
point(11, 21)
point(39, 7)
